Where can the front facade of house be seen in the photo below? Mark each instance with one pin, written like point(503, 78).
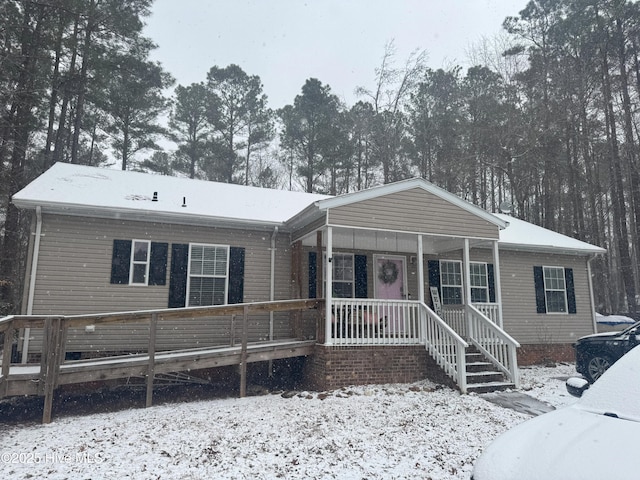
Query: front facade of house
point(408, 266)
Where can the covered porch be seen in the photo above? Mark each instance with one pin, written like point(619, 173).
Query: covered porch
point(393, 275)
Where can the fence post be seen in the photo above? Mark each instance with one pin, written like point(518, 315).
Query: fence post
point(153, 325)
point(243, 353)
point(54, 342)
point(6, 359)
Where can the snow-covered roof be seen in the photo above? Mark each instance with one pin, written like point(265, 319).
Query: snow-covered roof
point(527, 236)
point(100, 192)
point(82, 190)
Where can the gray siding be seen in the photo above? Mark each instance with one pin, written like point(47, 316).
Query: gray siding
point(519, 300)
point(413, 210)
point(74, 273)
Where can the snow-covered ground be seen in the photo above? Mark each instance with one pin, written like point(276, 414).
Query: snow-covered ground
point(375, 432)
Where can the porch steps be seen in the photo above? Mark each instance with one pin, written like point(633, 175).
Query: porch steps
point(482, 375)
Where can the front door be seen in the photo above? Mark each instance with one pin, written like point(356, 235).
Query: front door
point(390, 284)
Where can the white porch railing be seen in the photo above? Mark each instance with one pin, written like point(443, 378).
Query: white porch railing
point(445, 346)
point(399, 322)
point(490, 310)
point(374, 322)
point(493, 342)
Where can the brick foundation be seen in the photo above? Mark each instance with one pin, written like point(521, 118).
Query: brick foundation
point(334, 367)
point(539, 354)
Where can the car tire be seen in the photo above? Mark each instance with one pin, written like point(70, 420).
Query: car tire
point(596, 366)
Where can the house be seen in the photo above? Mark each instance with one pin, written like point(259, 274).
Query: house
point(417, 274)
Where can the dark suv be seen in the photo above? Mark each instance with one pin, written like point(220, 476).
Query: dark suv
point(596, 353)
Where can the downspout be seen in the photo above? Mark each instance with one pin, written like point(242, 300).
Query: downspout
point(593, 305)
point(32, 282)
point(272, 288)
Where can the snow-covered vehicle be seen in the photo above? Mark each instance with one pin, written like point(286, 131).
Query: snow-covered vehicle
point(588, 440)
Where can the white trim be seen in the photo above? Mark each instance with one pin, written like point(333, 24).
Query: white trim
point(544, 284)
point(404, 185)
point(226, 278)
point(133, 262)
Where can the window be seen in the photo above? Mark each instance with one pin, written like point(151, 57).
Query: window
point(479, 283)
point(343, 275)
point(555, 290)
point(139, 262)
point(451, 282)
point(208, 275)
point(139, 269)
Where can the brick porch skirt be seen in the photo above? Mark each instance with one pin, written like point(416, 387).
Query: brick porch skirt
point(532, 354)
point(333, 367)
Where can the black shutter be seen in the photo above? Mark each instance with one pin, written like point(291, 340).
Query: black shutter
point(120, 262)
point(491, 280)
point(360, 267)
point(158, 263)
point(433, 266)
point(538, 279)
point(313, 282)
point(571, 292)
point(178, 275)
point(236, 275)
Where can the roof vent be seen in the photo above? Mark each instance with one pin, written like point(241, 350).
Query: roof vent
point(155, 197)
point(184, 201)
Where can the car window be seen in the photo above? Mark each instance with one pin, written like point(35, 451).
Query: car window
point(617, 391)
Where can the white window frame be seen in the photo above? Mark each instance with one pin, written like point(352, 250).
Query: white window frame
point(191, 275)
point(547, 288)
point(484, 287)
point(133, 262)
point(334, 278)
point(442, 284)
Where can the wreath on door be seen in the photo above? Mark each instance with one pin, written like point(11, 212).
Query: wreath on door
point(388, 273)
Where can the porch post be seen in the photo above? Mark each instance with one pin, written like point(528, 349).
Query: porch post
point(496, 282)
point(420, 270)
point(467, 273)
point(328, 273)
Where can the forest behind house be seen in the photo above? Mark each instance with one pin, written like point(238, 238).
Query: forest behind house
point(545, 120)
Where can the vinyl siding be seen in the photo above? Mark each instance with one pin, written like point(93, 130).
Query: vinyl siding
point(413, 210)
point(519, 300)
point(74, 272)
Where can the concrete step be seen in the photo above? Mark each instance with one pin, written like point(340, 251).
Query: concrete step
point(489, 387)
point(479, 366)
point(484, 377)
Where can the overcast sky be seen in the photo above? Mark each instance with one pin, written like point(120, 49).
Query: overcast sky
point(340, 42)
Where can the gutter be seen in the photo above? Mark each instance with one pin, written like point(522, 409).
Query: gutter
point(32, 281)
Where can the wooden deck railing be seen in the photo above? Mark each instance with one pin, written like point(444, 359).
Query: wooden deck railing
point(55, 330)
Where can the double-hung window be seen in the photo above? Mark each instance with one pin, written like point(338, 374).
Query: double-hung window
point(555, 289)
point(139, 267)
point(479, 283)
point(451, 282)
point(208, 275)
point(343, 275)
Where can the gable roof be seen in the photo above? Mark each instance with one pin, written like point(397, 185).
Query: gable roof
point(404, 185)
point(81, 190)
